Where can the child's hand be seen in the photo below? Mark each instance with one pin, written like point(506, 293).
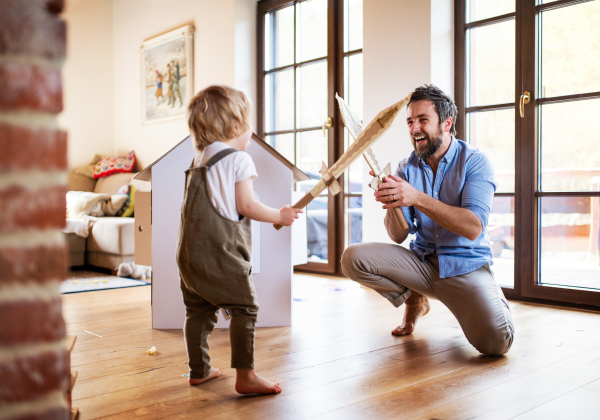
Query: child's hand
point(288, 214)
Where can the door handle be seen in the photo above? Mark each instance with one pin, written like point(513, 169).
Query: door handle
point(525, 98)
point(328, 124)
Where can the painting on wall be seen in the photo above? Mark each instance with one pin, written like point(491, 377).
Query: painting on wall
point(167, 75)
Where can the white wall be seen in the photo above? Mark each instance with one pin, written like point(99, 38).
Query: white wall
point(245, 50)
point(102, 75)
point(406, 44)
point(137, 20)
point(88, 80)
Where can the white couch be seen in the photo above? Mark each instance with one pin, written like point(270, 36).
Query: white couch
point(111, 239)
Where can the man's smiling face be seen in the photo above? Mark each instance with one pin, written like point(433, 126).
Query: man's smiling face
point(424, 126)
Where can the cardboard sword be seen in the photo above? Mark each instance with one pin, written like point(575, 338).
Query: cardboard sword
point(369, 135)
point(355, 128)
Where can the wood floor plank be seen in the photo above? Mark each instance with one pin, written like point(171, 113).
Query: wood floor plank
point(594, 385)
point(410, 401)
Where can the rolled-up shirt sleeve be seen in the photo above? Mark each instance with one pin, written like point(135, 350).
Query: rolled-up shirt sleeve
point(480, 186)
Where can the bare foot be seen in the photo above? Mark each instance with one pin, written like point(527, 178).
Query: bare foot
point(248, 382)
point(214, 373)
point(416, 306)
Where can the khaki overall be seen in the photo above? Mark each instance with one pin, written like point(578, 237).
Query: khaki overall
point(213, 255)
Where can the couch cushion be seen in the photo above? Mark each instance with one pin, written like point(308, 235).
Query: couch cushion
point(111, 184)
point(102, 259)
point(76, 246)
point(75, 243)
point(113, 235)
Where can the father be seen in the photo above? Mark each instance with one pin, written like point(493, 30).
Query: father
point(445, 188)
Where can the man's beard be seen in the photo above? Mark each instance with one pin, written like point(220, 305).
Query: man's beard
point(433, 144)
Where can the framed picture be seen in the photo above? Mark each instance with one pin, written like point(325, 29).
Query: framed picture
point(167, 75)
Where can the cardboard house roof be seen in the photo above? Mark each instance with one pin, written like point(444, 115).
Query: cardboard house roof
point(146, 174)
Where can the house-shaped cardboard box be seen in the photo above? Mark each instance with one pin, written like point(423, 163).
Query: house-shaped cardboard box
point(274, 252)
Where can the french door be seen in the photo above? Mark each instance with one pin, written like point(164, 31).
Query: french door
point(528, 93)
point(307, 52)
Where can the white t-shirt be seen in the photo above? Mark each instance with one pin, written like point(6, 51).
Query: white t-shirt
point(223, 176)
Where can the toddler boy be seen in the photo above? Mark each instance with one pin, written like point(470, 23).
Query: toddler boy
point(214, 248)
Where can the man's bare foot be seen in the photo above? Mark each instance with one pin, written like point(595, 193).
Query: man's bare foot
point(214, 373)
point(248, 382)
point(416, 306)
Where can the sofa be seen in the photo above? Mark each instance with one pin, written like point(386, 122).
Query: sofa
point(111, 239)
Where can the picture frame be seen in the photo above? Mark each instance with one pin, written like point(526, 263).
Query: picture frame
point(167, 79)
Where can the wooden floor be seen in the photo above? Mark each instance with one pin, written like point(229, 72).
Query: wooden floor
point(339, 361)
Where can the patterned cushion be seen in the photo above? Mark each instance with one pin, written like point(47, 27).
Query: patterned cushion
point(113, 165)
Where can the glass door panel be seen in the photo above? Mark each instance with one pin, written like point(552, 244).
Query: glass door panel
point(570, 155)
point(311, 152)
point(491, 64)
point(353, 25)
point(501, 231)
point(570, 56)
point(493, 132)
point(284, 144)
point(279, 30)
point(311, 85)
point(311, 30)
point(279, 101)
point(485, 9)
point(569, 242)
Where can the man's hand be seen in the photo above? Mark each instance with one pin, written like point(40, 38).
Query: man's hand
point(288, 214)
point(395, 192)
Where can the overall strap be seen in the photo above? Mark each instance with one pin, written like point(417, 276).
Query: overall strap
point(211, 162)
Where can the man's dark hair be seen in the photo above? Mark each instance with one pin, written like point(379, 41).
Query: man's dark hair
point(444, 105)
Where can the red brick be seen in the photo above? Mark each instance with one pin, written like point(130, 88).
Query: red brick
point(31, 321)
point(32, 27)
point(23, 208)
point(26, 148)
point(33, 376)
point(55, 6)
point(51, 414)
point(39, 264)
point(27, 86)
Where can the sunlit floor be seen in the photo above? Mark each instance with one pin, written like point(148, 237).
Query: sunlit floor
point(338, 361)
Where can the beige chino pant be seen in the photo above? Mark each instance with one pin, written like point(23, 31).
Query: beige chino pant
point(474, 298)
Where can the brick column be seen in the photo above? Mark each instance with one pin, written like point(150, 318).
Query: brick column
point(34, 371)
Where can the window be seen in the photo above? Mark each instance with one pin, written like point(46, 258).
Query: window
point(528, 94)
point(308, 52)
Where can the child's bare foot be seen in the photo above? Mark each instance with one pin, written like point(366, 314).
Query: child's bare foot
point(214, 373)
point(248, 382)
point(416, 306)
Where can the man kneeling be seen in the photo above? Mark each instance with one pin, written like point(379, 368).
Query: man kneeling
point(445, 189)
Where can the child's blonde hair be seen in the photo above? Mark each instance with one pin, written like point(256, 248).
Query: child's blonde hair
point(214, 112)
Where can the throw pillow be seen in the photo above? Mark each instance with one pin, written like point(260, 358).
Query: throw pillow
point(129, 206)
point(88, 170)
point(113, 165)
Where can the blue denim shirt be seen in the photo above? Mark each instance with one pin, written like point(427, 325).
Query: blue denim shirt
point(465, 178)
